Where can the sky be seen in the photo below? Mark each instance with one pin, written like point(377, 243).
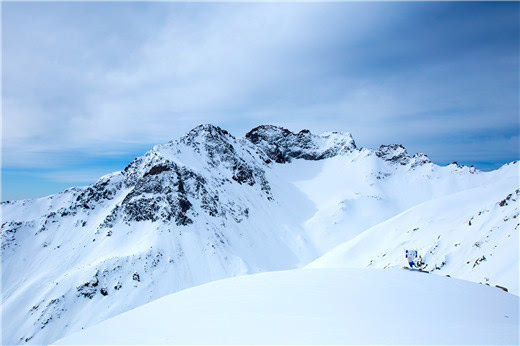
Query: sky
point(87, 87)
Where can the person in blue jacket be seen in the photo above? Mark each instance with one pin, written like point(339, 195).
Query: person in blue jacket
point(411, 255)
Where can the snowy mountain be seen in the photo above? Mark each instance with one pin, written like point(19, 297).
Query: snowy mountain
point(319, 306)
point(210, 206)
point(281, 145)
point(465, 235)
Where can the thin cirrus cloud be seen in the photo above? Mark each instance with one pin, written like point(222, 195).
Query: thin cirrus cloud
point(84, 81)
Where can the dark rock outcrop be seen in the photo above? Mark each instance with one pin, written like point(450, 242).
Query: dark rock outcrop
point(282, 145)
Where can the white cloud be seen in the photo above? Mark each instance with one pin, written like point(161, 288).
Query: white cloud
point(75, 88)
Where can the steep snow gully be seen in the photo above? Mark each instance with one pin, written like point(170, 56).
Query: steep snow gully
point(210, 206)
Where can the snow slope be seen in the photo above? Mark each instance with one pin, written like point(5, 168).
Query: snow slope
point(471, 235)
point(354, 192)
point(210, 206)
point(187, 212)
point(319, 306)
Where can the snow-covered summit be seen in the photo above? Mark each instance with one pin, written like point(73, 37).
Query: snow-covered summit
point(209, 206)
point(393, 153)
point(396, 153)
point(282, 145)
point(210, 138)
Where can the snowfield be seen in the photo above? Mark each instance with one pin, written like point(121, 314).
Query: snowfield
point(210, 206)
point(319, 306)
point(472, 235)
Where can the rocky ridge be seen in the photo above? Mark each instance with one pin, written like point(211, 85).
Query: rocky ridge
point(201, 208)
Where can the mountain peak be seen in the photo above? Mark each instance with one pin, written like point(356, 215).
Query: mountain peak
point(393, 153)
point(282, 145)
point(205, 131)
point(397, 153)
point(209, 206)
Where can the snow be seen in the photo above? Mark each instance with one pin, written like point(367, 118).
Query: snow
point(248, 215)
point(451, 233)
point(319, 306)
point(353, 192)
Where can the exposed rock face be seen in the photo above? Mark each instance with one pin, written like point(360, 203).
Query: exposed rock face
point(394, 153)
point(201, 208)
point(165, 196)
point(397, 154)
point(163, 190)
point(282, 145)
point(419, 159)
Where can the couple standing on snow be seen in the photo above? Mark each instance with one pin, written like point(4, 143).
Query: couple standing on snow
point(411, 257)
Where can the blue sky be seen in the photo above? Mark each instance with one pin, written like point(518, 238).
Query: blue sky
point(89, 86)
